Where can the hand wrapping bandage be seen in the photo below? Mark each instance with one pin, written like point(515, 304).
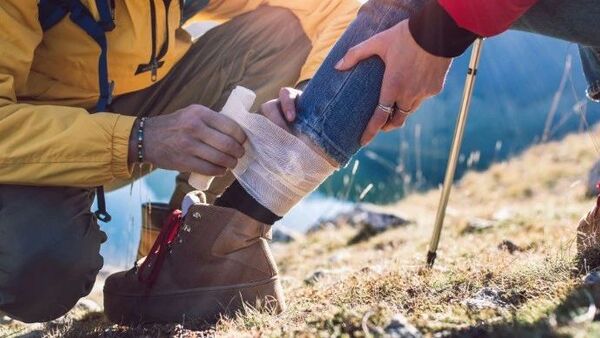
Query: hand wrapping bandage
point(277, 169)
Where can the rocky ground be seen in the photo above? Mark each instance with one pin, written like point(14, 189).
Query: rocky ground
point(505, 266)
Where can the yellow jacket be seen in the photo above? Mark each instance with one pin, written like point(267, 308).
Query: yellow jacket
point(48, 80)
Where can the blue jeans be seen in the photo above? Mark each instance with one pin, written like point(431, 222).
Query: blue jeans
point(336, 106)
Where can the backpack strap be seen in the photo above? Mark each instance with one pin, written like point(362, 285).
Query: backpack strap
point(82, 17)
point(107, 16)
point(52, 12)
point(191, 7)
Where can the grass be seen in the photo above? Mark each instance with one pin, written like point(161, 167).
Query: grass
point(541, 195)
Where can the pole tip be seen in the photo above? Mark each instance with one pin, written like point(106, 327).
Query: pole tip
point(431, 256)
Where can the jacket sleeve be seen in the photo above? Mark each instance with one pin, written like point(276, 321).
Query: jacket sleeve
point(447, 27)
point(50, 145)
point(324, 28)
point(323, 21)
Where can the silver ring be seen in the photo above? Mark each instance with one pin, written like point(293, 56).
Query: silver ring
point(403, 111)
point(387, 109)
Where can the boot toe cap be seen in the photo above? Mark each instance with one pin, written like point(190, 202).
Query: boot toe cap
point(123, 283)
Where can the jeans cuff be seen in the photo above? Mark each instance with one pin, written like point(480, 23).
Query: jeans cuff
point(303, 127)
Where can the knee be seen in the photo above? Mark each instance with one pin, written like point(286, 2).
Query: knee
point(43, 285)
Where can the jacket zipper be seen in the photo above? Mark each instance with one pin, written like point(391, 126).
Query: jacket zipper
point(165, 46)
point(113, 7)
point(153, 61)
point(156, 57)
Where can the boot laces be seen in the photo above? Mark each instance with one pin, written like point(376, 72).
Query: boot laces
point(149, 270)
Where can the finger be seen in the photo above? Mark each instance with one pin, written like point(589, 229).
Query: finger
point(227, 126)
point(221, 142)
point(359, 52)
point(196, 165)
point(380, 117)
point(205, 152)
point(400, 117)
point(377, 121)
point(391, 88)
point(274, 112)
point(398, 121)
point(287, 98)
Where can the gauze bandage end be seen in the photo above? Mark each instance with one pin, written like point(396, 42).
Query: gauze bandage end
point(277, 169)
point(240, 99)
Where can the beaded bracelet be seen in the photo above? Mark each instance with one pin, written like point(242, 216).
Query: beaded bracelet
point(140, 140)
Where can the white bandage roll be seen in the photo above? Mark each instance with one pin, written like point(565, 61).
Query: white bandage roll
point(277, 169)
point(240, 99)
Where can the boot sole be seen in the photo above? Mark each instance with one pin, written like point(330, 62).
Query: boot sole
point(194, 306)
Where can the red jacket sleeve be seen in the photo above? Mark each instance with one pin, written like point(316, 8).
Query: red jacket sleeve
point(486, 17)
point(448, 27)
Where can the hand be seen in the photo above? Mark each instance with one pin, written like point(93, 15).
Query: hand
point(282, 111)
point(411, 75)
point(193, 139)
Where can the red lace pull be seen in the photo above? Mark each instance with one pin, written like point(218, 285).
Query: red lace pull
point(159, 250)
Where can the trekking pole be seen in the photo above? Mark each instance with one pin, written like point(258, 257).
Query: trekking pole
point(454, 151)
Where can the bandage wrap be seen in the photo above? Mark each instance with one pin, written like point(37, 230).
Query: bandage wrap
point(278, 169)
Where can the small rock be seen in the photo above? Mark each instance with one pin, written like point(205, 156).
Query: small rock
point(486, 298)
point(374, 223)
point(338, 257)
point(503, 214)
point(285, 235)
point(509, 246)
point(478, 224)
point(592, 181)
point(399, 327)
point(389, 245)
point(335, 222)
point(358, 218)
point(4, 320)
point(320, 274)
point(592, 278)
point(378, 221)
point(87, 305)
point(376, 269)
point(315, 277)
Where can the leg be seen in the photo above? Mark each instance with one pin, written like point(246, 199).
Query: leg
point(336, 106)
point(49, 250)
point(263, 50)
point(332, 114)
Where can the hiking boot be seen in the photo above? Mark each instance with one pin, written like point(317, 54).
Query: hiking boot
point(588, 240)
point(210, 264)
